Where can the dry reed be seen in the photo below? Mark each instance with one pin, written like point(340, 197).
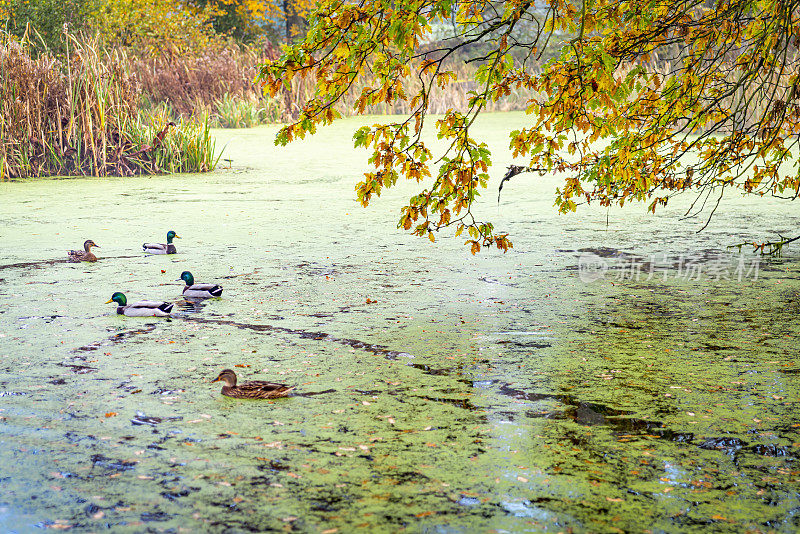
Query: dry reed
point(72, 117)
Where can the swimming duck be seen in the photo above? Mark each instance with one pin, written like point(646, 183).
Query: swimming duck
point(257, 389)
point(75, 256)
point(162, 248)
point(144, 308)
point(193, 290)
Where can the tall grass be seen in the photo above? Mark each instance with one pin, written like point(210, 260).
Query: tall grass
point(79, 116)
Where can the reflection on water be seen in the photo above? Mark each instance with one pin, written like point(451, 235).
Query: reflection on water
point(436, 391)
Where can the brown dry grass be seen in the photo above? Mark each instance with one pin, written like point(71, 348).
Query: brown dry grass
point(72, 117)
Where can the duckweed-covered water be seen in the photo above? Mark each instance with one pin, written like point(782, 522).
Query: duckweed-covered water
point(614, 372)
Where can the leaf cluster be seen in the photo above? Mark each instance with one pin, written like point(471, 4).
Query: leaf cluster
point(646, 99)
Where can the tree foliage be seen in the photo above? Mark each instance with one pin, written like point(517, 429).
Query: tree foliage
point(247, 20)
point(646, 98)
point(45, 21)
point(156, 26)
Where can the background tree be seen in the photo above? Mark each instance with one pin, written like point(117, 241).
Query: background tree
point(250, 20)
point(645, 99)
point(49, 19)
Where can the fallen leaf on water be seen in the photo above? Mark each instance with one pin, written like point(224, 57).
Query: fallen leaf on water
point(163, 271)
point(522, 479)
point(241, 365)
point(612, 499)
point(111, 414)
point(330, 531)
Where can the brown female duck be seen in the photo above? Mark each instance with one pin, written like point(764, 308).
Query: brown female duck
point(256, 389)
point(75, 256)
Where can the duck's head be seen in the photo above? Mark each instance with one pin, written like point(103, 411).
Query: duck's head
point(227, 376)
point(88, 244)
point(187, 277)
point(172, 235)
point(119, 298)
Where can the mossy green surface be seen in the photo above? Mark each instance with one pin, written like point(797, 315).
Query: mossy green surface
point(478, 394)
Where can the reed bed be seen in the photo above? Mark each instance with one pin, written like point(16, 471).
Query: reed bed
point(79, 117)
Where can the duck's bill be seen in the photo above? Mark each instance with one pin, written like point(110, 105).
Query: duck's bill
point(109, 301)
point(216, 380)
point(177, 236)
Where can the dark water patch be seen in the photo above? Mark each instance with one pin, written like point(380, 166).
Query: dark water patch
point(164, 391)
point(585, 413)
point(34, 264)
point(156, 515)
point(78, 369)
point(43, 263)
point(770, 450)
point(11, 393)
point(728, 445)
point(111, 463)
point(188, 305)
point(380, 350)
point(458, 403)
point(508, 391)
point(118, 337)
point(46, 318)
point(524, 345)
point(312, 393)
point(141, 419)
point(57, 382)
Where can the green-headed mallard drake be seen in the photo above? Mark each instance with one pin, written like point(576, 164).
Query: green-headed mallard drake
point(144, 308)
point(162, 248)
point(193, 290)
point(257, 389)
point(75, 256)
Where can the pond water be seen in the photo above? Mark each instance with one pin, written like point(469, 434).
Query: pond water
point(614, 372)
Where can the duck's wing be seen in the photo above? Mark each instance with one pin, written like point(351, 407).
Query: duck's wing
point(213, 290)
point(149, 307)
point(77, 256)
point(260, 388)
point(155, 248)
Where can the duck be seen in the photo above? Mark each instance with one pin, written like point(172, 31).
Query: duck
point(144, 308)
point(162, 248)
point(256, 389)
point(76, 256)
point(193, 290)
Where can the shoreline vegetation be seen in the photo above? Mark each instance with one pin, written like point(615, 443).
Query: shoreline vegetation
point(86, 103)
point(84, 116)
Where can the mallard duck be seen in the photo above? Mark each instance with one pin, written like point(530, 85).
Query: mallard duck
point(193, 290)
point(162, 248)
point(75, 256)
point(257, 389)
point(144, 308)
